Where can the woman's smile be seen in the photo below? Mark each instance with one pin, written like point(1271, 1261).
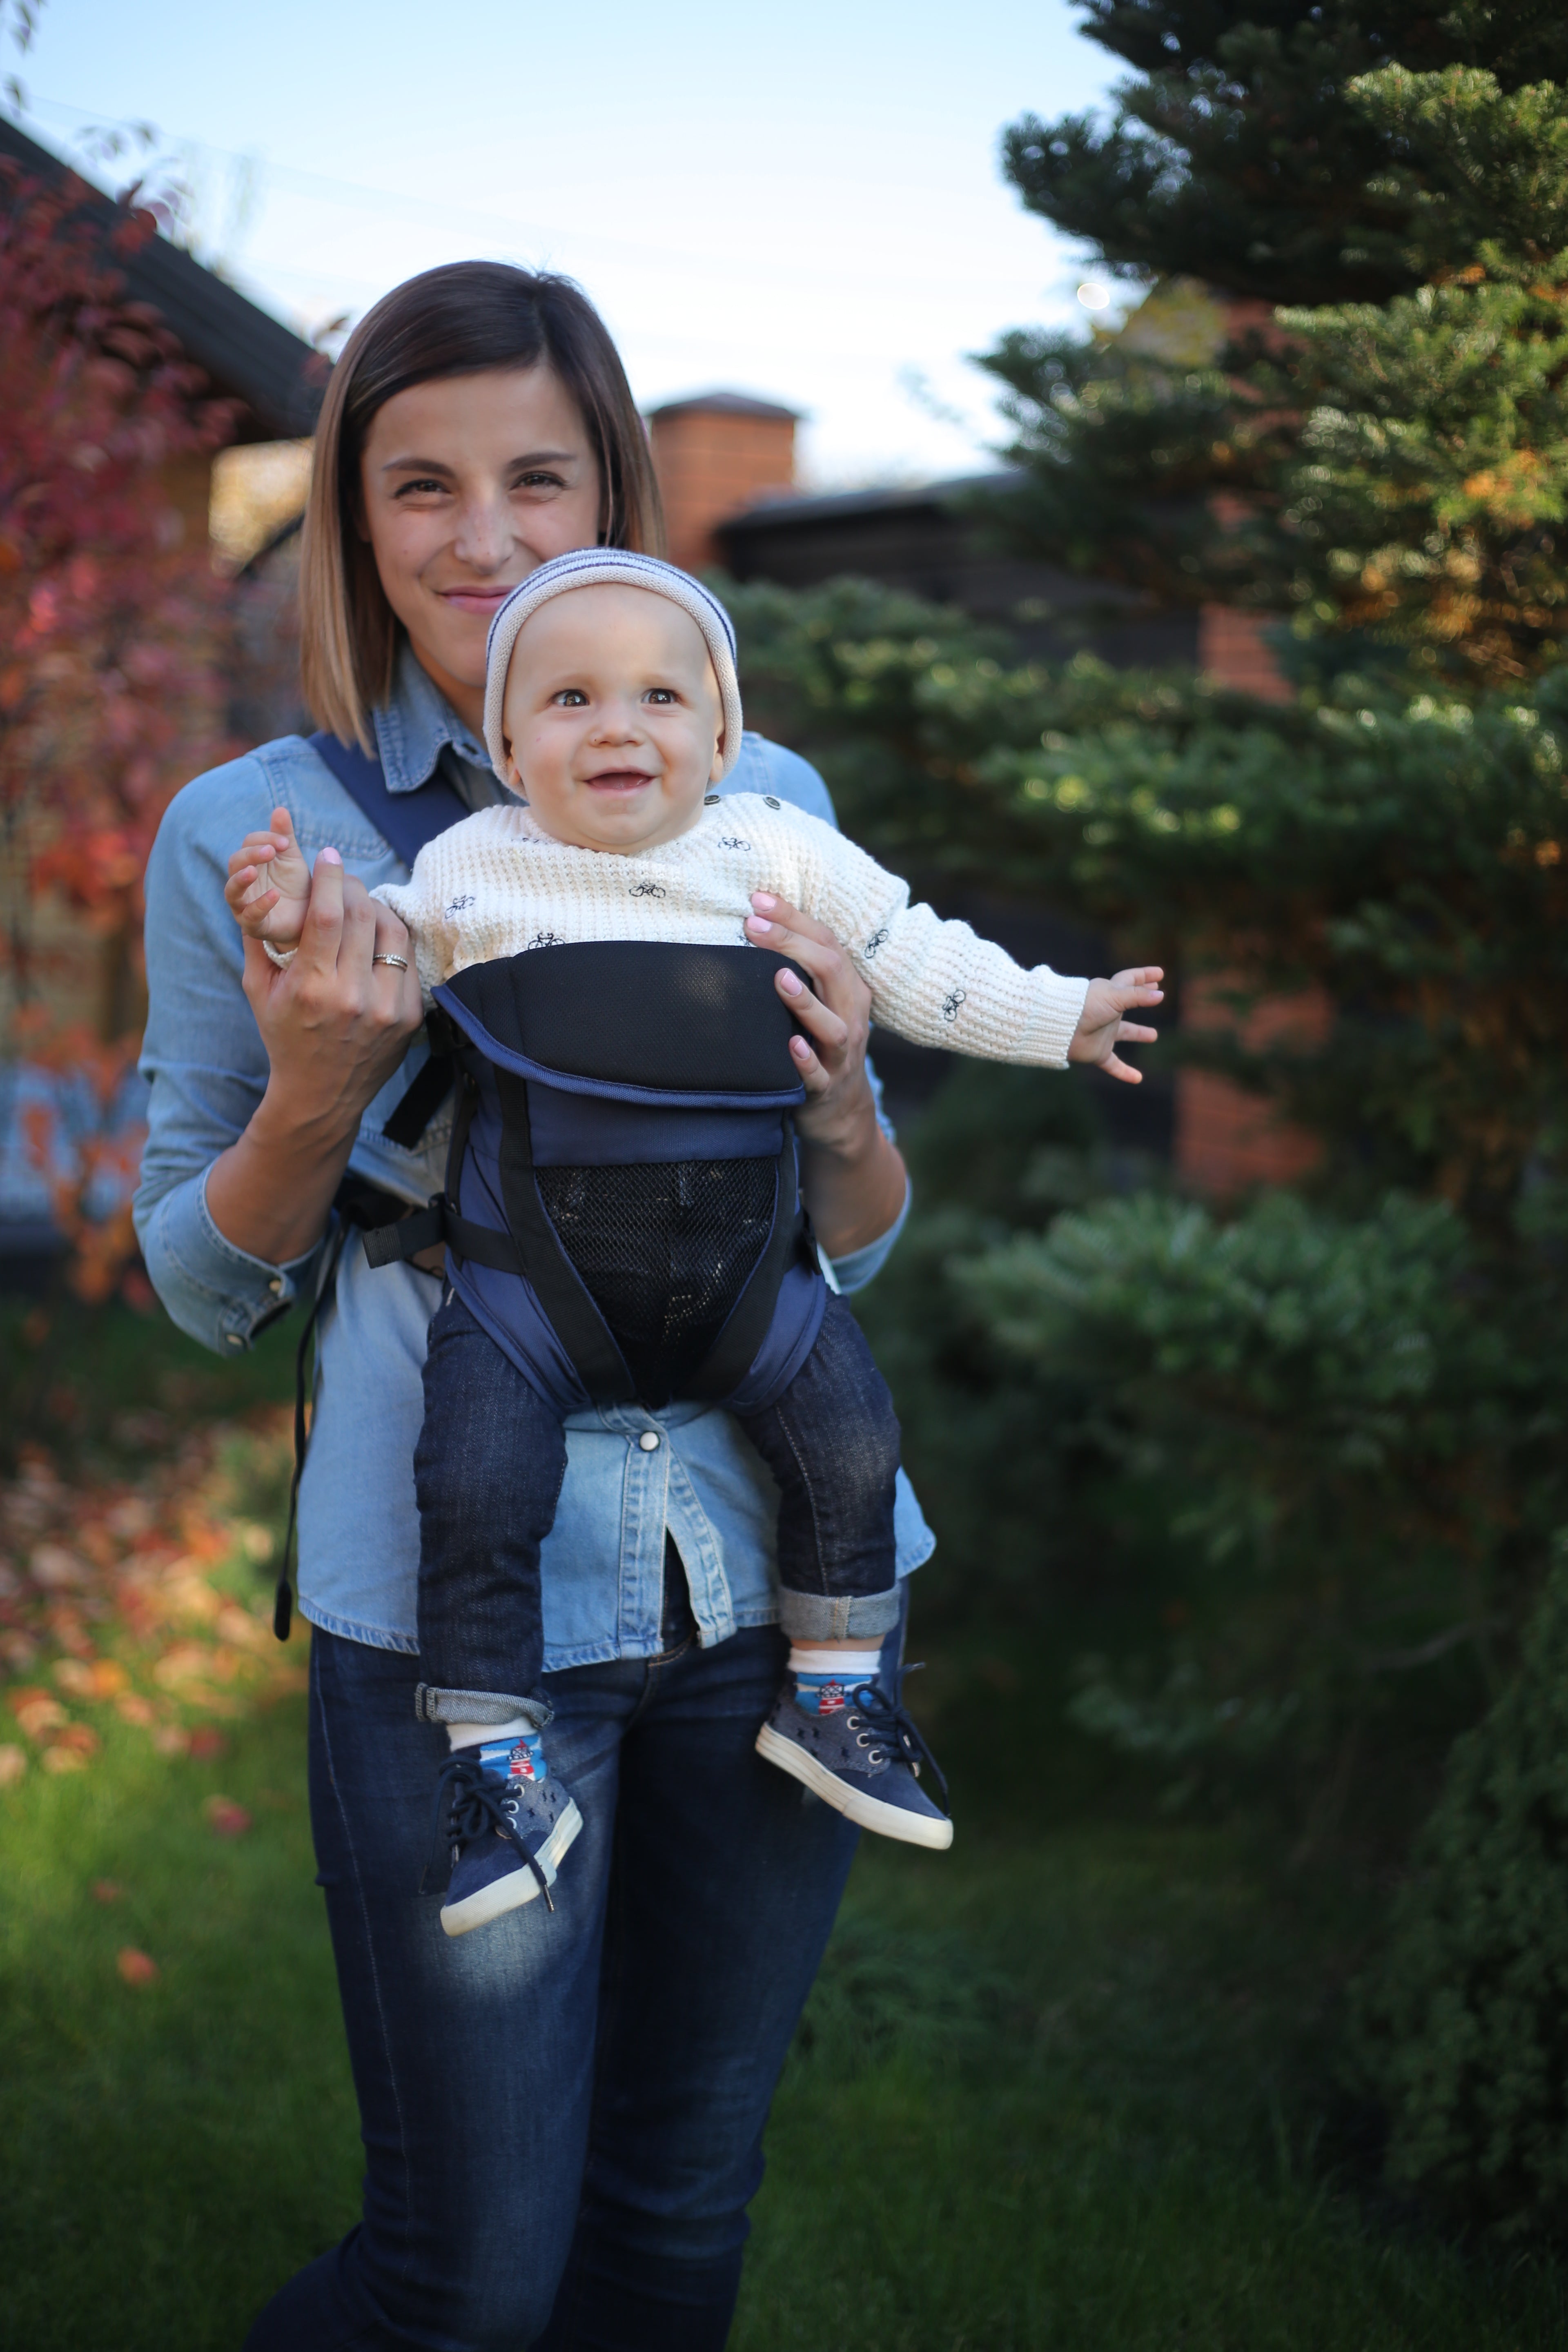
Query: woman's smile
point(470, 597)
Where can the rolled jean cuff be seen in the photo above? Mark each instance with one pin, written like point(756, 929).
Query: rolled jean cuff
point(818, 1617)
point(433, 1706)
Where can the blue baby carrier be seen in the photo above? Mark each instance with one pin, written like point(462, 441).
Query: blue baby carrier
point(622, 1208)
point(622, 1211)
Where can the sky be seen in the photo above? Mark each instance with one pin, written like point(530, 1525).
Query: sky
point(803, 204)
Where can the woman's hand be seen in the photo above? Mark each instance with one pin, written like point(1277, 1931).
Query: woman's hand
point(335, 1023)
point(852, 1177)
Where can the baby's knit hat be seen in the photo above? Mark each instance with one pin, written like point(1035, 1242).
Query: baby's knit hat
point(592, 567)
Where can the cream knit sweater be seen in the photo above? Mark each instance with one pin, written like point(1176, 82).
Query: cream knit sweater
point(497, 884)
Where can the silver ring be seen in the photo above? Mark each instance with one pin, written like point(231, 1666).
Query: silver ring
point(401, 962)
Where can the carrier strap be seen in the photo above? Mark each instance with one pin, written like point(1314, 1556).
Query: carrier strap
point(408, 820)
point(440, 1221)
point(422, 1098)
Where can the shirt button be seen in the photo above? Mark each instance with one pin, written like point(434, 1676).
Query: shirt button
point(236, 1339)
point(276, 1286)
point(648, 1441)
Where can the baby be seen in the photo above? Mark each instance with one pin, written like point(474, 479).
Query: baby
point(621, 1213)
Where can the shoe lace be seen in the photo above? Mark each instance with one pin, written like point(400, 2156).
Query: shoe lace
point(471, 1803)
point(885, 1719)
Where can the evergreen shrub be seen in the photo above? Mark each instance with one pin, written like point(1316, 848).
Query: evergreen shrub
point(1462, 2022)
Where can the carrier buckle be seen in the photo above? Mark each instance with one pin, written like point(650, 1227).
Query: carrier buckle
point(423, 1229)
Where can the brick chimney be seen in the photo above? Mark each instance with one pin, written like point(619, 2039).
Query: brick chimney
point(715, 456)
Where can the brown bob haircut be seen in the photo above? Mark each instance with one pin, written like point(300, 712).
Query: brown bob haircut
point(457, 320)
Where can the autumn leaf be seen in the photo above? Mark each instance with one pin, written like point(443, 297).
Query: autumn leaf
point(36, 1712)
point(222, 1814)
point(100, 1679)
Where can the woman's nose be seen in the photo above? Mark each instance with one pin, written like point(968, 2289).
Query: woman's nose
point(484, 533)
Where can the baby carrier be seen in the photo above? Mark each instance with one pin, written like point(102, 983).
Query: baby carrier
point(622, 1211)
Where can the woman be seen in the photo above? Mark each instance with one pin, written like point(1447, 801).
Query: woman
point(562, 2118)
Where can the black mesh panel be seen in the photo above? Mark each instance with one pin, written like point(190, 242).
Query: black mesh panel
point(664, 1252)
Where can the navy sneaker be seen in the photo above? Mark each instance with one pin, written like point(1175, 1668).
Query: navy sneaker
point(862, 1756)
point(506, 1826)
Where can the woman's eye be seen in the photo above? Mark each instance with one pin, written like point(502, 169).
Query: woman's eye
point(539, 482)
point(406, 490)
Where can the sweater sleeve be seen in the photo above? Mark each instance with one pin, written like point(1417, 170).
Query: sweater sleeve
point(935, 982)
point(418, 903)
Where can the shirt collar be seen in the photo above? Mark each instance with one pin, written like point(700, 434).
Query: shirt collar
point(413, 726)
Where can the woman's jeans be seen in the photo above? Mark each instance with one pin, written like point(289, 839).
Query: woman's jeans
point(488, 1471)
point(563, 2114)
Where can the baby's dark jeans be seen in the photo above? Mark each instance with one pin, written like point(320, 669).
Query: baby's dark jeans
point(489, 1469)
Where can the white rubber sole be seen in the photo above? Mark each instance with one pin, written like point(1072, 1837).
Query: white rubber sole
point(868, 1812)
point(519, 1886)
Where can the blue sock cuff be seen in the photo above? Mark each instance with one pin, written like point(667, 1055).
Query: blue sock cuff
point(824, 1693)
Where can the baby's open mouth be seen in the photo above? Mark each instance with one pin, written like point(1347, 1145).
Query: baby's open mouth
point(619, 779)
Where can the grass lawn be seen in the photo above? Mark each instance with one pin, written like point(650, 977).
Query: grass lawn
point(1063, 2088)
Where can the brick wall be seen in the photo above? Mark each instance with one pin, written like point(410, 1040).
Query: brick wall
point(1232, 646)
point(1228, 1141)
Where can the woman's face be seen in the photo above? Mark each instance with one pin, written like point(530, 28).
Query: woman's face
point(469, 484)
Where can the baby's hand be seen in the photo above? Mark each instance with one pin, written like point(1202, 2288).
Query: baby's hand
point(1100, 1027)
point(269, 885)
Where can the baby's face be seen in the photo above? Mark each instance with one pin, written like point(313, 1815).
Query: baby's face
point(612, 718)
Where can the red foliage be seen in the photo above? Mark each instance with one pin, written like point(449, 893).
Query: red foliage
point(111, 616)
point(114, 636)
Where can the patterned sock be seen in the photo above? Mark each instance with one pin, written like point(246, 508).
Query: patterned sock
point(519, 1757)
point(823, 1678)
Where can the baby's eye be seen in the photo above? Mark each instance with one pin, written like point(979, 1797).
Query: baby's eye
point(662, 694)
point(571, 697)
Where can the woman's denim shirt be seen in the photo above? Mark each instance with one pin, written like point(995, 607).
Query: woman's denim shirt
point(603, 1566)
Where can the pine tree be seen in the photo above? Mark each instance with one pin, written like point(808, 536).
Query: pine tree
point(1236, 157)
point(1387, 456)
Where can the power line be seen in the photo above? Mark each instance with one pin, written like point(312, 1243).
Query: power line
point(394, 204)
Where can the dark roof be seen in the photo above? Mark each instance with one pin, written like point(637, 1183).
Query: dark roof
point(728, 404)
point(249, 355)
point(909, 497)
